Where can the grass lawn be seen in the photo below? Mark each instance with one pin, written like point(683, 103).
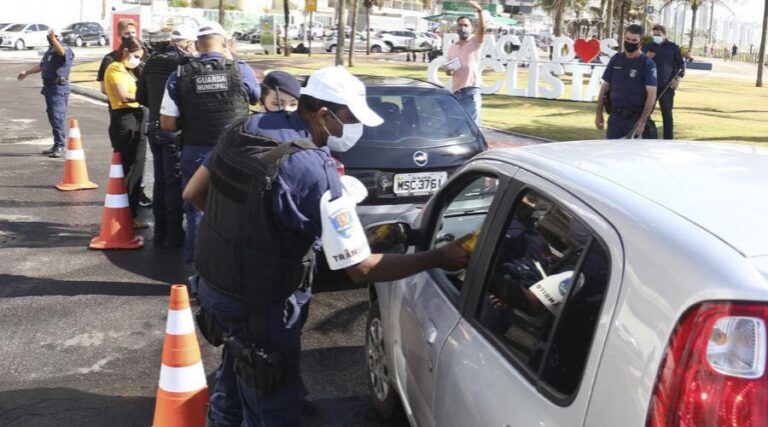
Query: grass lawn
point(706, 109)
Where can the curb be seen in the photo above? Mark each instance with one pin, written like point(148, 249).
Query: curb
point(521, 135)
point(89, 92)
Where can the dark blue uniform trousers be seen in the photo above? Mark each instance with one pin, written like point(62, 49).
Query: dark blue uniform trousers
point(166, 159)
point(234, 402)
point(56, 100)
point(192, 157)
point(619, 127)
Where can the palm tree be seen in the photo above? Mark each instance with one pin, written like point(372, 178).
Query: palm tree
point(368, 5)
point(559, 8)
point(340, 33)
point(761, 60)
point(694, 4)
point(286, 18)
point(353, 33)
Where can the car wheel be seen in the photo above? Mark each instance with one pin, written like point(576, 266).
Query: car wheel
point(332, 48)
point(375, 49)
point(79, 42)
point(102, 41)
point(19, 45)
point(383, 395)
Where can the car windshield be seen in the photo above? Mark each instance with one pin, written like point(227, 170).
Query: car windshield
point(418, 118)
point(16, 28)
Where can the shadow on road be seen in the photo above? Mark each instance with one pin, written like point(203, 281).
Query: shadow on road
point(42, 407)
point(153, 262)
point(14, 286)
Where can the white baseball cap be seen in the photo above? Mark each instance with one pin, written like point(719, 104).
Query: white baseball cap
point(337, 85)
point(211, 28)
point(182, 32)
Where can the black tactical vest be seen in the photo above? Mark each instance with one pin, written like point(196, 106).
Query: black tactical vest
point(212, 96)
point(156, 71)
point(238, 252)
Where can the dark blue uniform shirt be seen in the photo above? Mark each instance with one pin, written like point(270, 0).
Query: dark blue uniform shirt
point(628, 78)
point(301, 180)
point(53, 66)
point(249, 79)
point(668, 60)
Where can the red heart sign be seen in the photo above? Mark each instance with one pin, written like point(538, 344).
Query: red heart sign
point(587, 50)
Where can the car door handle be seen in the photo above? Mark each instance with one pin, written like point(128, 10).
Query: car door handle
point(430, 333)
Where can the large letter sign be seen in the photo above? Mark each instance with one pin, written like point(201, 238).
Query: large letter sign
point(583, 60)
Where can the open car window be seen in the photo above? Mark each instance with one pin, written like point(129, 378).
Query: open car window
point(462, 214)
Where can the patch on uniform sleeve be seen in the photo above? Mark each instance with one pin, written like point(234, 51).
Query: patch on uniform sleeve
point(654, 74)
point(342, 221)
point(211, 83)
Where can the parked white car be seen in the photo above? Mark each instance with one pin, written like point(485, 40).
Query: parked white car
point(396, 40)
point(377, 46)
point(20, 36)
point(611, 283)
point(317, 30)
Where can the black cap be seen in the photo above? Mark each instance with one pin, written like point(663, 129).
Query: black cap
point(284, 81)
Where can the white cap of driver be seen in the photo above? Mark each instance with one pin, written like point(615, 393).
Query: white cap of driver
point(211, 28)
point(337, 85)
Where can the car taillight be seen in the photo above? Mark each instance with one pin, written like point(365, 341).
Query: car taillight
point(714, 371)
point(339, 167)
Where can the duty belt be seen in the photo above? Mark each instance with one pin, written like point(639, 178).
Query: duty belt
point(57, 81)
point(627, 113)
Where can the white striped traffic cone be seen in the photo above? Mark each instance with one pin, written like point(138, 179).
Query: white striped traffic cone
point(182, 395)
point(75, 172)
point(116, 222)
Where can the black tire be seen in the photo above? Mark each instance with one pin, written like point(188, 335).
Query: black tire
point(79, 42)
point(19, 45)
point(376, 49)
point(384, 397)
point(332, 48)
point(102, 41)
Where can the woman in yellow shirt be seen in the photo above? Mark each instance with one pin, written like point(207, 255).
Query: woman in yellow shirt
point(125, 120)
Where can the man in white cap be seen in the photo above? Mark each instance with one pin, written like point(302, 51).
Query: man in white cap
point(167, 207)
point(201, 99)
point(271, 194)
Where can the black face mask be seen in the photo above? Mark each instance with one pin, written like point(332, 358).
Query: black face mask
point(125, 39)
point(631, 47)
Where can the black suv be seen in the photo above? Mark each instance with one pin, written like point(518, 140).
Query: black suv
point(80, 33)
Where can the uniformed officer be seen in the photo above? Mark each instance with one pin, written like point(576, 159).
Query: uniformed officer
point(274, 194)
point(167, 207)
point(630, 76)
point(201, 99)
point(671, 68)
point(55, 67)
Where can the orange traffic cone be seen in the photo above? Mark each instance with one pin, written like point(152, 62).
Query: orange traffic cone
point(75, 173)
point(182, 396)
point(116, 222)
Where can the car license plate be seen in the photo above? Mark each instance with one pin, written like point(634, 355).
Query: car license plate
point(418, 184)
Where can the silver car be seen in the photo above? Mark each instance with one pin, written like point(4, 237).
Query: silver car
point(610, 284)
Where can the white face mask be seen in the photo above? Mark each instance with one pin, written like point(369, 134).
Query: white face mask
point(350, 134)
point(133, 62)
point(658, 39)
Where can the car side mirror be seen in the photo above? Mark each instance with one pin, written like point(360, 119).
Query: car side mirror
point(391, 237)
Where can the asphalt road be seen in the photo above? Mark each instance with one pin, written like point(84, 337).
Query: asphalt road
point(82, 330)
